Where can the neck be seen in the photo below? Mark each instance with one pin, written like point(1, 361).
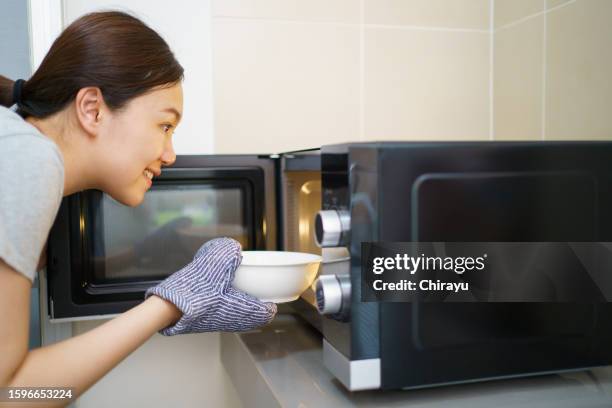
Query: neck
point(58, 128)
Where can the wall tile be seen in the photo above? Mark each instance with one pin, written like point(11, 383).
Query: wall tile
point(473, 14)
point(284, 86)
point(345, 11)
point(426, 85)
point(554, 3)
point(579, 63)
point(509, 11)
point(518, 60)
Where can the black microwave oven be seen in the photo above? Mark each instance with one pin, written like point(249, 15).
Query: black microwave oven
point(449, 192)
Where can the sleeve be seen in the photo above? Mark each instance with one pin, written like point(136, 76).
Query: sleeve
point(31, 189)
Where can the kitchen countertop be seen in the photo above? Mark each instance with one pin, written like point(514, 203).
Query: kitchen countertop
point(281, 366)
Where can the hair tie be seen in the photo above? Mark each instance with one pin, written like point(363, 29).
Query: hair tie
point(17, 86)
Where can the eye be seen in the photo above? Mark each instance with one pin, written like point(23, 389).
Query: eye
point(167, 127)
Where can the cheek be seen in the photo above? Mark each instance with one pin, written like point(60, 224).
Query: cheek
point(129, 146)
point(135, 147)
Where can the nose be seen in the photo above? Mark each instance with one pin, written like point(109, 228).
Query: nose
point(168, 156)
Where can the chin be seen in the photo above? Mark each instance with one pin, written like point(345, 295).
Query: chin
point(129, 198)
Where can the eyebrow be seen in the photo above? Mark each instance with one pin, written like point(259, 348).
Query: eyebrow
point(174, 111)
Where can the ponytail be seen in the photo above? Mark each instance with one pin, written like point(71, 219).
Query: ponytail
point(7, 88)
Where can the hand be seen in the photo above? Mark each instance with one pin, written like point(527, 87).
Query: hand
point(203, 291)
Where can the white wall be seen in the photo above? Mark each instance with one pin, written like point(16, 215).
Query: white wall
point(295, 74)
point(182, 371)
point(552, 70)
point(186, 26)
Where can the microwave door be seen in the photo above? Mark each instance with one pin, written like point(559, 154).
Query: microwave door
point(103, 255)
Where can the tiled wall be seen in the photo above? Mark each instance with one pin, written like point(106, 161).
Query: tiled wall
point(291, 74)
point(552, 69)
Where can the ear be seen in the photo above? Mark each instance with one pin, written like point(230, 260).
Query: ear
point(90, 108)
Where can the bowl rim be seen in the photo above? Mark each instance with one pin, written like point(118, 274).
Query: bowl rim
point(314, 258)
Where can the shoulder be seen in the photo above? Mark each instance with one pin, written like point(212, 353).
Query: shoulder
point(31, 190)
point(32, 166)
point(12, 123)
point(25, 147)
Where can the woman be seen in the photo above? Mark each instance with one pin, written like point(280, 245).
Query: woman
point(99, 113)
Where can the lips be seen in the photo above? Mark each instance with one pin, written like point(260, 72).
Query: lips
point(150, 172)
point(156, 172)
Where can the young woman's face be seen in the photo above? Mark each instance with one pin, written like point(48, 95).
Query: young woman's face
point(137, 142)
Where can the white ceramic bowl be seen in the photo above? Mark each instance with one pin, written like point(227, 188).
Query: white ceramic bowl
point(276, 276)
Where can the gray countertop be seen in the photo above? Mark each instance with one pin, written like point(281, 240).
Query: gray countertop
point(281, 366)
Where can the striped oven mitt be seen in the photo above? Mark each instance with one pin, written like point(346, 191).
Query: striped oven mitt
point(203, 291)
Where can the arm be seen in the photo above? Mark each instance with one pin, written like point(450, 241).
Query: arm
point(80, 361)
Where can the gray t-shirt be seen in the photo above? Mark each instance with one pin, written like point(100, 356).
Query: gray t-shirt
point(31, 190)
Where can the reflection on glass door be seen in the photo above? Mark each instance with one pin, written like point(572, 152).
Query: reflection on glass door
point(162, 234)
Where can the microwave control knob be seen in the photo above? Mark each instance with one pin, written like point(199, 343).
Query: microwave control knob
point(333, 295)
point(328, 294)
point(332, 228)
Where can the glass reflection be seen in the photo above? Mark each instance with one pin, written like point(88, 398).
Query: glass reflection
point(161, 235)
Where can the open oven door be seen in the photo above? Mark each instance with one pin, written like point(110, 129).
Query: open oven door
point(103, 255)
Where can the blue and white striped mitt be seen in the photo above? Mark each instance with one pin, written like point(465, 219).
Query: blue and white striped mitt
point(203, 291)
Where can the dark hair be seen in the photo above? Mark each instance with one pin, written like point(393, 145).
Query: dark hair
point(111, 50)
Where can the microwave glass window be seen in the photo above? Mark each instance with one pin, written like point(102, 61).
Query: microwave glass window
point(161, 235)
